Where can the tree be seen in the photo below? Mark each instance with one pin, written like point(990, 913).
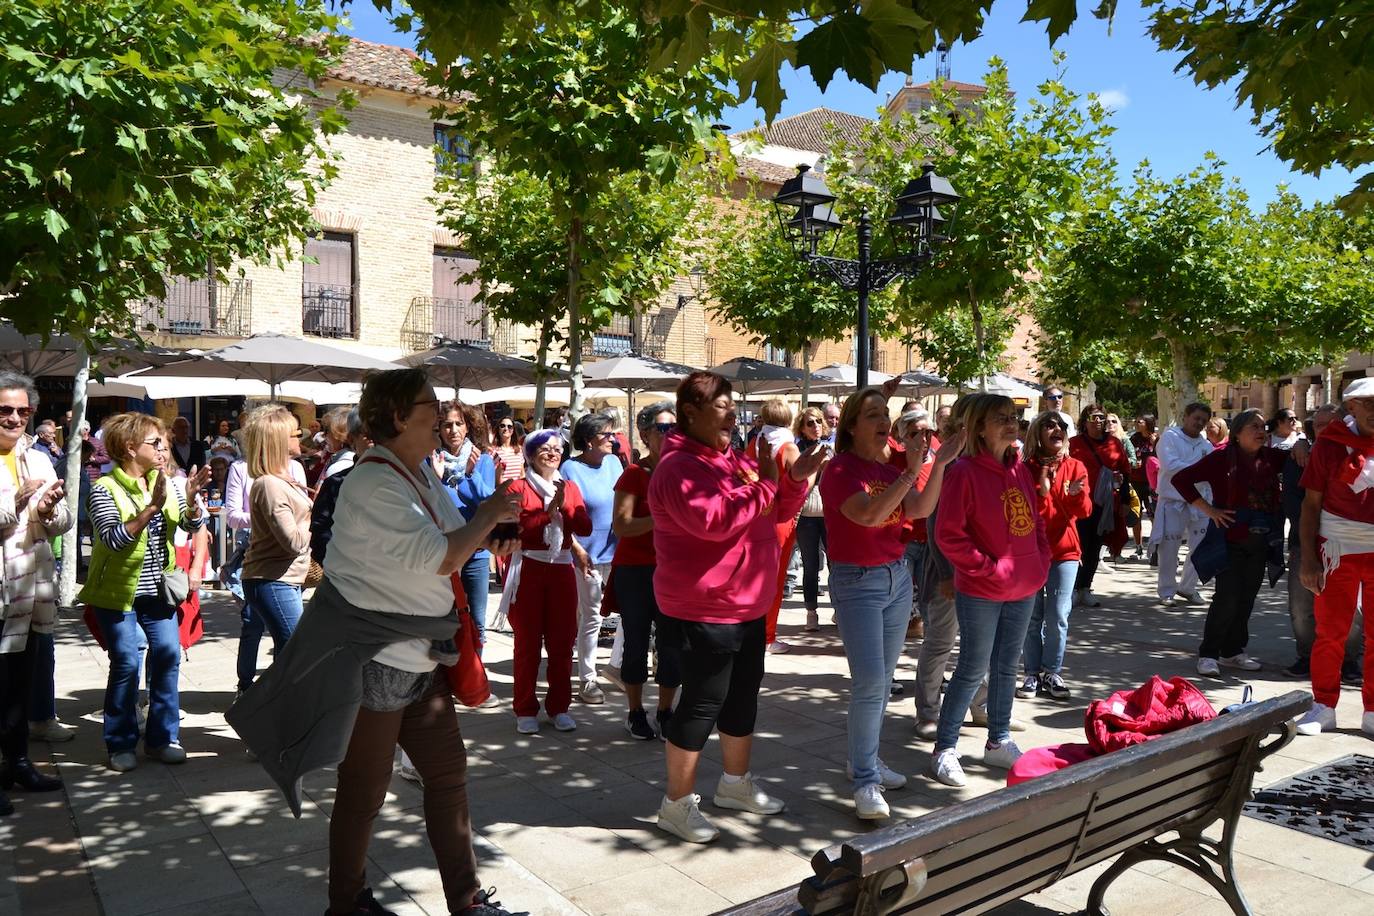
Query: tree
point(569, 95)
point(1180, 274)
point(1026, 179)
point(509, 224)
point(763, 289)
point(146, 139)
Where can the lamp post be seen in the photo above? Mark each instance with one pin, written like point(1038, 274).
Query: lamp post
point(804, 207)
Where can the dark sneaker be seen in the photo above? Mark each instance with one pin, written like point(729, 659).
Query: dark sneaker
point(896, 689)
point(367, 905)
point(1300, 669)
point(661, 719)
point(637, 724)
point(1352, 678)
point(1030, 686)
point(1054, 685)
point(484, 905)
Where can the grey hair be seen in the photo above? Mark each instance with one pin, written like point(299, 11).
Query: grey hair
point(644, 420)
point(355, 422)
point(615, 416)
point(1336, 409)
point(911, 416)
point(51, 423)
point(12, 380)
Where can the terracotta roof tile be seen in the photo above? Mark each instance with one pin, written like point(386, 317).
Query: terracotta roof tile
point(762, 170)
point(367, 63)
point(812, 130)
point(956, 86)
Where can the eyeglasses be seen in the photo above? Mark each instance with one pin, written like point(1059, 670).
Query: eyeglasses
point(7, 410)
point(663, 427)
point(157, 444)
point(549, 450)
point(422, 402)
point(604, 434)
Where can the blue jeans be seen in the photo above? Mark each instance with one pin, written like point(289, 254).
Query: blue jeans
point(43, 691)
point(915, 559)
point(1047, 633)
point(270, 605)
point(872, 608)
point(476, 576)
point(158, 622)
point(991, 634)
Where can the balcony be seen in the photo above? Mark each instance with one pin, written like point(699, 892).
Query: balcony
point(329, 310)
point(432, 319)
point(646, 335)
point(202, 308)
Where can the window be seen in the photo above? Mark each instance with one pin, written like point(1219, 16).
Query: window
point(457, 313)
point(329, 291)
point(451, 147)
point(776, 355)
point(1244, 403)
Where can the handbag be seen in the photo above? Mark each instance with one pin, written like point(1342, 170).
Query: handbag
point(176, 585)
point(315, 575)
point(468, 678)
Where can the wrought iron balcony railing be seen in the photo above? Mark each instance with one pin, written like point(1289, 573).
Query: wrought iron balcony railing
point(432, 319)
point(203, 307)
point(329, 310)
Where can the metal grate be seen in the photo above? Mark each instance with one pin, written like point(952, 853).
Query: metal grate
point(203, 306)
point(1334, 801)
point(327, 310)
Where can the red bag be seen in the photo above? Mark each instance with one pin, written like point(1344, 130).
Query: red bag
point(190, 624)
point(1131, 717)
point(468, 678)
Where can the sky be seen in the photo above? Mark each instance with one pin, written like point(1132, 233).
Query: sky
point(1159, 115)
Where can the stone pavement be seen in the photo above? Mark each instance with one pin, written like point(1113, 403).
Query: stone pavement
point(565, 821)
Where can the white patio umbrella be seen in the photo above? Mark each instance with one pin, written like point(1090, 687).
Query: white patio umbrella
point(754, 376)
point(464, 366)
point(632, 374)
point(834, 378)
point(275, 359)
point(1003, 384)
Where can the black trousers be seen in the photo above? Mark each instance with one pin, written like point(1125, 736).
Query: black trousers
point(634, 589)
point(722, 668)
point(1227, 631)
point(1092, 546)
point(16, 680)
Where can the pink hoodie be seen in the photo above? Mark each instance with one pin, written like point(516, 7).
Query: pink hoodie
point(714, 532)
point(990, 529)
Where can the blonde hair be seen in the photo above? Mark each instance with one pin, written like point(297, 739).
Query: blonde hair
point(976, 408)
point(266, 435)
point(800, 422)
point(124, 433)
point(775, 412)
point(1030, 449)
point(1218, 424)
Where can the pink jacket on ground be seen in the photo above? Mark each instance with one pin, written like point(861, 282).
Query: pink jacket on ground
point(990, 530)
point(714, 532)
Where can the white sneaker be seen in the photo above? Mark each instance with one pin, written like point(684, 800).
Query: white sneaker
point(778, 647)
point(123, 761)
point(591, 693)
point(1002, 755)
point(491, 702)
point(409, 774)
point(1367, 724)
point(1192, 598)
point(51, 731)
point(1030, 686)
point(564, 722)
point(887, 777)
point(1321, 718)
point(944, 766)
point(1209, 667)
point(683, 819)
point(745, 796)
point(813, 621)
point(1240, 660)
point(172, 754)
point(527, 725)
point(870, 805)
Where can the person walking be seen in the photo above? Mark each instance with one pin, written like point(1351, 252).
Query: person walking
point(632, 580)
point(132, 586)
point(1176, 522)
point(715, 513)
point(989, 530)
point(540, 597)
point(1105, 458)
point(1243, 481)
point(867, 500)
point(1337, 533)
point(1062, 499)
point(33, 511)
point(277, 558)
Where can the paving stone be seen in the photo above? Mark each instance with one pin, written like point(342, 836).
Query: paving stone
point(660, 889)
point(570, 857)
point(175, 874)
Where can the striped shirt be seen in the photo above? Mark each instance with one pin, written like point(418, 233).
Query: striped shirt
point(109, 527)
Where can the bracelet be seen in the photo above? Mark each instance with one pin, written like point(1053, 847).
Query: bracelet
point(909, 477)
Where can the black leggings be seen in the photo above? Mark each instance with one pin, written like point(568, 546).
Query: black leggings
point(722, 668)
point(1092, 546)
point(16, 680)
point(634, 590)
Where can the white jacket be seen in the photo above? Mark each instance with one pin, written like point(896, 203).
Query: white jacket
point(28, 587)
point(1177, 450)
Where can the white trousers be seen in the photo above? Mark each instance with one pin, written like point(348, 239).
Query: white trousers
point(589, 589)
point(1176, 523)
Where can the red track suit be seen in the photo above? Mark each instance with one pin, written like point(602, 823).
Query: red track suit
point(543, 610)
point(1347, 541)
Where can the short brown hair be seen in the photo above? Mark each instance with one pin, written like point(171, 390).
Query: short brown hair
point(387, 397)
point(849, 415)
point(699, 389)
point(124, 433)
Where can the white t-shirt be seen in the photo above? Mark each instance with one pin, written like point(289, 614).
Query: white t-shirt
point(386, 550)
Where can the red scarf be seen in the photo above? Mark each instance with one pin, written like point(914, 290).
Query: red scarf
point(1361, 450)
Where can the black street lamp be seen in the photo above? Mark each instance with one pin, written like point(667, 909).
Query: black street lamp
point(921, 221)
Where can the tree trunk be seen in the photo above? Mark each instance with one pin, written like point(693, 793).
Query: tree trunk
point(1185, 386)
point(981, 344)
point(1334, 369)
point(541, 374)
point(71, 540)
point(575, 408)
point(806, 377)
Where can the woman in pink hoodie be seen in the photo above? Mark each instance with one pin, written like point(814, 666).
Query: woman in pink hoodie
point(990, 530)
point(715, 511)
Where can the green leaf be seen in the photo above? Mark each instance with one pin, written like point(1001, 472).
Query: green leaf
point(758, 76)
point(845, 42)
point(55, 224)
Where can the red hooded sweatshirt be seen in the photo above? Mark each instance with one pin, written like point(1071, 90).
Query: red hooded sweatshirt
point(1060, 510)
point(714, 532)
point(988, 529)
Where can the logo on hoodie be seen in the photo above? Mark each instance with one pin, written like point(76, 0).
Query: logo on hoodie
point(1017, 510)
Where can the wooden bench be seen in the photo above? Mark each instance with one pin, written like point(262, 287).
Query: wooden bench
point(976, 855)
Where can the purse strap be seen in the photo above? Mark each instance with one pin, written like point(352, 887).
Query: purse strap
point(460, 596)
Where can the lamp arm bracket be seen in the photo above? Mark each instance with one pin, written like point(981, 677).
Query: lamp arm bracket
point(846, 271)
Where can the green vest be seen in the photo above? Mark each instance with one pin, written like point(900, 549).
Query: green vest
point(113, 575)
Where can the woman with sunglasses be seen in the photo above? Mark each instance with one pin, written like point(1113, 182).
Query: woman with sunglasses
point(464, 463)
point(633, 579)
point(508, 451)
point(811, 428)
point(134, 513)
point(1105, 458)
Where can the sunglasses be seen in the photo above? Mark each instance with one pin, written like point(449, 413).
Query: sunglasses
point(1054, 397)
point(663, 427)
point(1097, 418)
point(7, 410)
point(506, 426)
point(157, 444)
point(814, 422)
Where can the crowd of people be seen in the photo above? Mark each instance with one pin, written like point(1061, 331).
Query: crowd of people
point(974, 525)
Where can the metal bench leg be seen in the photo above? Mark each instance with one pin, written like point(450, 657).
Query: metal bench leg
point(1210, 860)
